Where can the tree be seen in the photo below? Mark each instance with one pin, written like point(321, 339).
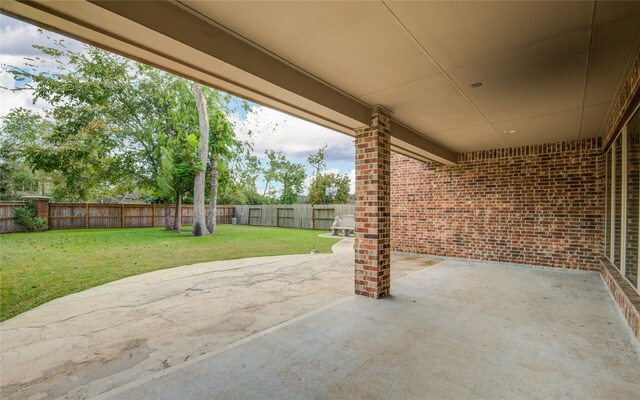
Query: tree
point(223, 149)
point(320, 183)
point(292, 177)
point(20, 129)
point(270, 173)
point(92, 145)
point(116, 125)
point(163, 181)
point(34, 154)
point(199, 227)
point(239, 178)
point(317, 160)
point(179, 165)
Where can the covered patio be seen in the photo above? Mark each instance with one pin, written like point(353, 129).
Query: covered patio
point(506, 134)
point(457, 330)
point(289, 327)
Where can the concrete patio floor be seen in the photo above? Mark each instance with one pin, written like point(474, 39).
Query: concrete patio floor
point(458, 330)
point(288, 327)
point(87, 343)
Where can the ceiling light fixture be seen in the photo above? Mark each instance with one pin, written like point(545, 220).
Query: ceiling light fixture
point(476, 85)
point(510, 132)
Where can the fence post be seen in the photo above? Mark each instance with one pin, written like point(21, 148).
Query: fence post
point(42, 207)
point(153, 220)
point(313, 217)
point(86, 216)
point(122, 217)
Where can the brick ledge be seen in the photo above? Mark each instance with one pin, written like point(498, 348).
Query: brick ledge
point(625, 296)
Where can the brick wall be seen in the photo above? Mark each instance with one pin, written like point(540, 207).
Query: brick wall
point(624, 295)
point(539, 205)
point(372, 247)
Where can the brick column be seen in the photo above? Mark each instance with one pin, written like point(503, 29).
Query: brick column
point(42, 207)
point(373, 215)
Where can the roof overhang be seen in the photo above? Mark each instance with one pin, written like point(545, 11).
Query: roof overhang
point(457, 76)
point(169, 36)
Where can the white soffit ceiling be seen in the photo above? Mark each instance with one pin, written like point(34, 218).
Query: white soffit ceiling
point(549, 70)
point(354, 46)
point(87, 22)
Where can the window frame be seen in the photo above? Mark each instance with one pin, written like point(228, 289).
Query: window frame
point(623, 205)
point(610, 184)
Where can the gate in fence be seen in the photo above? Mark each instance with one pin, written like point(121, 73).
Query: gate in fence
point(323, 218)
point(285, 217)
point(255, 216)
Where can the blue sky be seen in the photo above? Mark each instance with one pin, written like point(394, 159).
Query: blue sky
point(271, 129)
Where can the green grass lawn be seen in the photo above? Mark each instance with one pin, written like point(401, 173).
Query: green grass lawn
point(38, 267)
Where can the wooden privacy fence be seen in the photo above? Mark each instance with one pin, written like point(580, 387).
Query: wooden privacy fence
point(305, 216)
point(8, 221)
point(96, 215)
point(88, 215)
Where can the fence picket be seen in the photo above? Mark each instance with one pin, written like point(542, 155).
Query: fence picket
point(96, 215)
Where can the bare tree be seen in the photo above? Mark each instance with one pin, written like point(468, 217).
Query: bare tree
point(318, 160)
point(199, 215)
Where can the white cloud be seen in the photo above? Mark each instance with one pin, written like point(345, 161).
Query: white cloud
point(16, 40)
point(9, 99)
point(272, 130)
point(296, 138)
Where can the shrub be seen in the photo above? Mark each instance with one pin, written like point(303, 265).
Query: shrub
point(28, 218)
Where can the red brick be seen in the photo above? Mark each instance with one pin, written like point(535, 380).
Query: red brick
point(373, 217)
point(538, 205)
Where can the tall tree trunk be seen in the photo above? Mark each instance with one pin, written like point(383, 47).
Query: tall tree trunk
point(167, 214)
point(199, 227)
point(177, 220)
point(213, 200)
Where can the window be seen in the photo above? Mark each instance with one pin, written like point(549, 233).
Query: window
point(617, 202)
point(622, 201)
point(633, 199)
point(607, 207)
